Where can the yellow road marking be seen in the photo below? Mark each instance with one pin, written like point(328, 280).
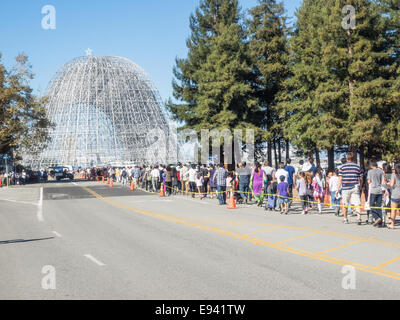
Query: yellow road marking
point(256, 241)
point(299, 237)
point(261, 231)
point(387, 263)
point(340, 247)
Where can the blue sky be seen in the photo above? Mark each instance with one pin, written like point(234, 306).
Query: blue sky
point(151, 33)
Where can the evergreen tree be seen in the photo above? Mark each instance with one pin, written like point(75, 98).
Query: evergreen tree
point(341, 78)
point(390, 9)
point(214, 83)
point(23, 121)
point(314, 97)
point(369, 72)
point(268, 48)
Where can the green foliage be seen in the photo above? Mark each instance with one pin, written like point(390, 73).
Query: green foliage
point(268, 49)
point(23, 122)
point(214, 84)
point(341, 79)
point(321, 87)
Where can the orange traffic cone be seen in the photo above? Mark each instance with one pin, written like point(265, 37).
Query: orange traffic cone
point(108, 180)
point(111, 183)
point(102, 179)
point(162, 191)
point(132, 187)
point(232, 203)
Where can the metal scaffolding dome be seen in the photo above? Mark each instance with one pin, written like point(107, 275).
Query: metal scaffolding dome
point(106, 111)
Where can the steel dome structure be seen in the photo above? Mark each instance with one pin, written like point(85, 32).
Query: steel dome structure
point(106, 111)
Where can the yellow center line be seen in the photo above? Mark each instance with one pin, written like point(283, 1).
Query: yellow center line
point(299, 237)
point(387, 263)
point(340, 247)
point(256, 241)
point(261, 231)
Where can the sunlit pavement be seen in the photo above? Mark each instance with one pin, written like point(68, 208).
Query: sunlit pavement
point(85, 240)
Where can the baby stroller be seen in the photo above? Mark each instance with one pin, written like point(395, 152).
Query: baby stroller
point(271, 188)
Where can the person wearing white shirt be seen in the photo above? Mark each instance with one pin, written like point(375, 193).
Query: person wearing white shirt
point(333, 187)
point(282, 172)
point(184, 178)
point(192, 173)
point(155, 177)
point(269, 171)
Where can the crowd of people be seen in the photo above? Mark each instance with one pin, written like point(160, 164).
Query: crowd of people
point(22, 177)
point(276, 189)
point(260, 184)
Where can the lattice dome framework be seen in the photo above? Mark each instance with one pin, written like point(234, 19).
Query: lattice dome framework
point(106, 111)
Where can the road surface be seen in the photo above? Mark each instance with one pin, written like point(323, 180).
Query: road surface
point(85, 240)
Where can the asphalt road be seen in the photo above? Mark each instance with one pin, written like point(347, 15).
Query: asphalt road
point(84, 240)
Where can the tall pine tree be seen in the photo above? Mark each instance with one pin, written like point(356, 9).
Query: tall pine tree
point(342, 77)
point(268, 48)
point(214, 85)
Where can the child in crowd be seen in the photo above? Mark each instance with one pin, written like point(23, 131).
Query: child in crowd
point(199, 184)
point(318, 185)
point(302, 190)
point(283, 194)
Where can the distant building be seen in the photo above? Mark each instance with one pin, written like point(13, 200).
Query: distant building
point(106, 110)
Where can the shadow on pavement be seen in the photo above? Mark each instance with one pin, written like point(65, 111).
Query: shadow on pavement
point(23, 240)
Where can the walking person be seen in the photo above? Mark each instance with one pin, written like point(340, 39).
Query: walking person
point(350, 177)
point(333, 187)
point(244, 174)
point(135, 175)
point(291, 178)
point(395, 199)
point(206, 177)
point(213, 185)
point(168, 180)
point(257, 183)
point(219, 179)
point(155, 178)
point(184, 175)
point(283, 195)
point(192, 174)
point(365, 190)
point(318, 185)
point(268, 169)
point(376, 180)
point(199, 184)
point(301, 186)
point(124, 176)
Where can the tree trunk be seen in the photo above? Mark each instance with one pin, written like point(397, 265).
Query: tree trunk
point(331, 159)
point(279, 150)
point(317, 159)
point(362, 158)
point(275, 155)
point(287, 149)
point(354, 150)
point(269, 152)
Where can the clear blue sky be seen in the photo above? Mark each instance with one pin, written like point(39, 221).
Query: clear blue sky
point(151, 33)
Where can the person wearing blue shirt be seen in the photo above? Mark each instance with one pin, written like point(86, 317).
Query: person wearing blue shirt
point(290, 169)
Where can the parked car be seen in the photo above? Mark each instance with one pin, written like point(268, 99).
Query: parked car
point(60, 173)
